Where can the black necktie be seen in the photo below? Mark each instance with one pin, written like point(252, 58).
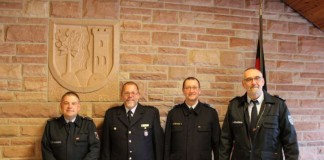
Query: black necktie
point(129, 115)
point(70, 140)
point(71, 127)
point(191, 110)
point(254, 118)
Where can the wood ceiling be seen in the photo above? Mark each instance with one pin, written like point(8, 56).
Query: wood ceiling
point(312, 10)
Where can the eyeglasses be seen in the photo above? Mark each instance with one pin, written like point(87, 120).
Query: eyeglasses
point(250, 79)
point(191, 88)
point(130, 93)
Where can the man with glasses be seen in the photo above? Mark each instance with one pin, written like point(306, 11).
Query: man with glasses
point(258, 125)
point(192, 129)
point(132, 131)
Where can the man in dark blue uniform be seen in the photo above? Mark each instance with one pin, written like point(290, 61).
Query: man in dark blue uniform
point(257, 125)
point(70, 137)
point(192, 129)
point(132, 131)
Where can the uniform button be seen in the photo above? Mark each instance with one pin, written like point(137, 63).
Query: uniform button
point(130, 141)
point(130, 151)
point(130, 158)
point(129, 132)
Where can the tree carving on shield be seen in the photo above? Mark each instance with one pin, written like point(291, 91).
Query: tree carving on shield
point(81, 56)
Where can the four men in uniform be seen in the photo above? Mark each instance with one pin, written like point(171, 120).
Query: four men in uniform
point(254, 130)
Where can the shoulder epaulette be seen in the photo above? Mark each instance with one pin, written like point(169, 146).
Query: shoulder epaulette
point(279, 97)
point(54, 118)
point(235, 98)
point(86, 118)
point(177, 105)
point(150, 106)
point(206, 104)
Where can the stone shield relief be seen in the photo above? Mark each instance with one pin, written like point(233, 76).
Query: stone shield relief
point(83, 54)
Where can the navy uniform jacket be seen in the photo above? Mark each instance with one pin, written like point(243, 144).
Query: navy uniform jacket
point(192, 136)
point(82, 144)
point(274, 132)
point(142, 139)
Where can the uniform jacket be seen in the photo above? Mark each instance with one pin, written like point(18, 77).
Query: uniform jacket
point(274, 131)
point(81, 144)
point(142, 139)
point(192, 136)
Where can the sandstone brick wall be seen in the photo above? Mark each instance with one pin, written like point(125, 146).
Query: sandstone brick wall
point(161, 43)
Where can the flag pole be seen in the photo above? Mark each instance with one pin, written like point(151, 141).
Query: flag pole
point(259, 63)
point(261, 34)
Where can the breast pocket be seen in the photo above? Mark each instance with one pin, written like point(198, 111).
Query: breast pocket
point(203, 128)
point(177, 128)
point(82, 139)
point(271, 122)
point(271, 127)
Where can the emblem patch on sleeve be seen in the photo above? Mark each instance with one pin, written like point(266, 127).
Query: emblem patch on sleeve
point(291, 121)
point(96, 135)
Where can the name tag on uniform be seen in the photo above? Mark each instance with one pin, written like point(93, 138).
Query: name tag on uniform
point(56, 142)
point(145, 131)
point(145, 126)
point(176, 124)
point(237, 122)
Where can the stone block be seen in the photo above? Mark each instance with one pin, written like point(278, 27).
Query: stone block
point(7, 49)
point(26, 33)
point(18, 151)
point(14, 85)
point(34, 70)
point(10, 71)
point(23, 141)
point(287, 47)
point(195, 45)
point(136, 59)
point(171, 60)
point(36, 8)
point(157, 84)
point(171, 50)
point(35, 83)
point(231, 59)
point(242, 44)
point(31, 96)
point(165, 39)
point(310, 44)
point(180, 73)
point(28, 110)
point(9, 131)
point(65, 9)
point(204, 57)
point(28, 59)
point(11, 5)
point(32, 130)
point(280, 77)
point(24, 20)
point(135, 38)
point(277, 26)
point(32, 49)
point(3, 85)
point(165, 17)
point(100, 9)
point(148, 76)
point(136, 11)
